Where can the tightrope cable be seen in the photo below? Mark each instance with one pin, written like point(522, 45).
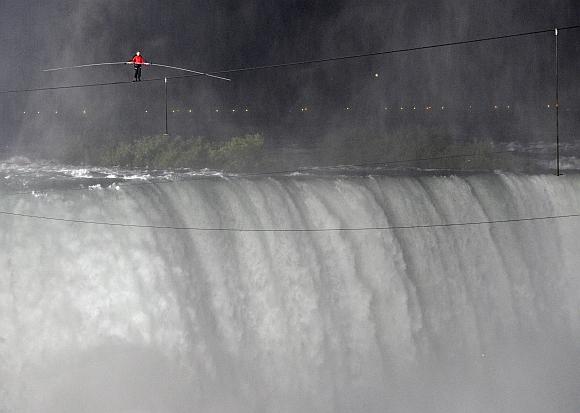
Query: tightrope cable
point(393, 51)
point(309, 62)
point(41, 89)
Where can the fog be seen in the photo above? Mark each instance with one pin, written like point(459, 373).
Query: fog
point(499, 90)
point(127, 288)
point(478, 318)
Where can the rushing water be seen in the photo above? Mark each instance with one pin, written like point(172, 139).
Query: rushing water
point(479, 318)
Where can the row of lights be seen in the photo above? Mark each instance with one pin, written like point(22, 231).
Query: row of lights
point(427, 108)
point(307, 109)
point(430, 108)
point(217, 110)
point(84, 112)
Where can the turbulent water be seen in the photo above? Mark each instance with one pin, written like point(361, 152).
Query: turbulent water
point(101, 318)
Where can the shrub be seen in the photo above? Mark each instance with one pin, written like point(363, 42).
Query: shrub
point(240, 153)
point(163, 151)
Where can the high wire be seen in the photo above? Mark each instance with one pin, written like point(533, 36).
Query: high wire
point(309, 62)
point(394, 51)
point(41, 89)
point(291, 230)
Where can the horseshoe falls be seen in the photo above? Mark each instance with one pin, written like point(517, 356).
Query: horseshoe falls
point(473, 318)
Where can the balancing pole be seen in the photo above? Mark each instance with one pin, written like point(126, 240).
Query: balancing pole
point(145, 64)
point(82, 66)
point(190, 71)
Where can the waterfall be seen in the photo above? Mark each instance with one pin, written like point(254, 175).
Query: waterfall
point(475, 318)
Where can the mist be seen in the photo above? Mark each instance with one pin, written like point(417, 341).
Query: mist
point(384, 233)
point(474, 318)
point(496, 90)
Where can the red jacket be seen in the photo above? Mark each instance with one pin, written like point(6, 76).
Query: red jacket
point(138, 60)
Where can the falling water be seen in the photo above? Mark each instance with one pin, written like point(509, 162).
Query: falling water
point(477, 318)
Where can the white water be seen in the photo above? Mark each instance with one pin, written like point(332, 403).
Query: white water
point(464, 319)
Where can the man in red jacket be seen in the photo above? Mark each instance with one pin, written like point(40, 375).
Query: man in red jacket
point(138, 61)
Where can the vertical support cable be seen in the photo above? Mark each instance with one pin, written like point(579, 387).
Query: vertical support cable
point(557, 104)
point(166, 125)
point(166, 128)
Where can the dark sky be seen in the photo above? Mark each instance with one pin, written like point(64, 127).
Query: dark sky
point(221, 34)
point(211, 35)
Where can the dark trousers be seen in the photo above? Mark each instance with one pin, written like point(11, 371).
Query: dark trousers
point(138, 72)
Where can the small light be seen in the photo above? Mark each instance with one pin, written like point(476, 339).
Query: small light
point(233, 110)
point(247, 110)
point(84, 111)
point(24, 113)
point(38, 113)
point(146, 111)
point(548, 106)
point(442, 107)
point(508, 107)
point(376, 75)
point(56, 112)
point(173, 111)
point(494, 107)
point(217, 110)
point(414, 108)
point(402, 108)
point(347, 108)
point(189, 111)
